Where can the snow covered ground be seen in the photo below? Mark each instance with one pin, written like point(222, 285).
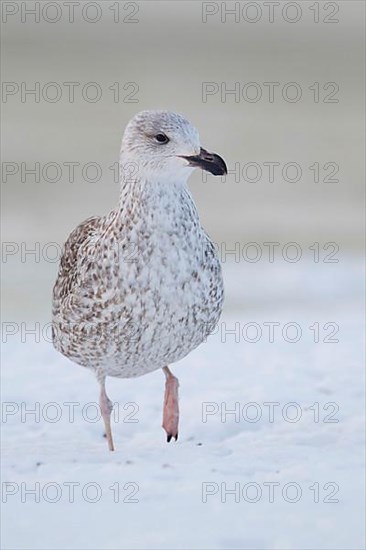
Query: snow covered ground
point(283, 471)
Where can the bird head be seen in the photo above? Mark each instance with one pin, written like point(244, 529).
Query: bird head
point(165, 146)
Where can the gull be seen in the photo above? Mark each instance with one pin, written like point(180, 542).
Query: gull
point(141, 287)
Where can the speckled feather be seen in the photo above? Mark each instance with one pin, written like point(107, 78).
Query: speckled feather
point(141, 287)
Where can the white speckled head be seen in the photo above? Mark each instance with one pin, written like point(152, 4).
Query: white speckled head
point(164, 146)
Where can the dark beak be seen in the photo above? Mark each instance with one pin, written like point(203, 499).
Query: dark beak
point(208, 161)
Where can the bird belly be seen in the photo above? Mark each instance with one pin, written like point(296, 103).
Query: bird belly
point(162, 326)
point(155, 318)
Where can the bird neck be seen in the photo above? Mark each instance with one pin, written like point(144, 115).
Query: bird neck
point(149, 188)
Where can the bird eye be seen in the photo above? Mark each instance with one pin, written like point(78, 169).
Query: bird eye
point(161, 138)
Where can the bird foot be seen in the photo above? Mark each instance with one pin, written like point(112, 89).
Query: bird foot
point(171, 407)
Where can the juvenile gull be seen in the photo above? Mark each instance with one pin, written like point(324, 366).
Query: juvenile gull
point(141, 287)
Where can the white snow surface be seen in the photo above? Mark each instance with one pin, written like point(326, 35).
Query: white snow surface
point(321, 460)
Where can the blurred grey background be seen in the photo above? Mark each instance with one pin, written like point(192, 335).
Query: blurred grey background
point(168, 53)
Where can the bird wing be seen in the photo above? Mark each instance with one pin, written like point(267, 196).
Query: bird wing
point(73, 283)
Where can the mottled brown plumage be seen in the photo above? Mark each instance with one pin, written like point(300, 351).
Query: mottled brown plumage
point(141, 287)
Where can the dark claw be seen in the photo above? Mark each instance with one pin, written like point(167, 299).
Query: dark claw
point(169, 437)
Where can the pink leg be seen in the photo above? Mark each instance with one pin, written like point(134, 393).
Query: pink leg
point(171, 408)
point(106, 407)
